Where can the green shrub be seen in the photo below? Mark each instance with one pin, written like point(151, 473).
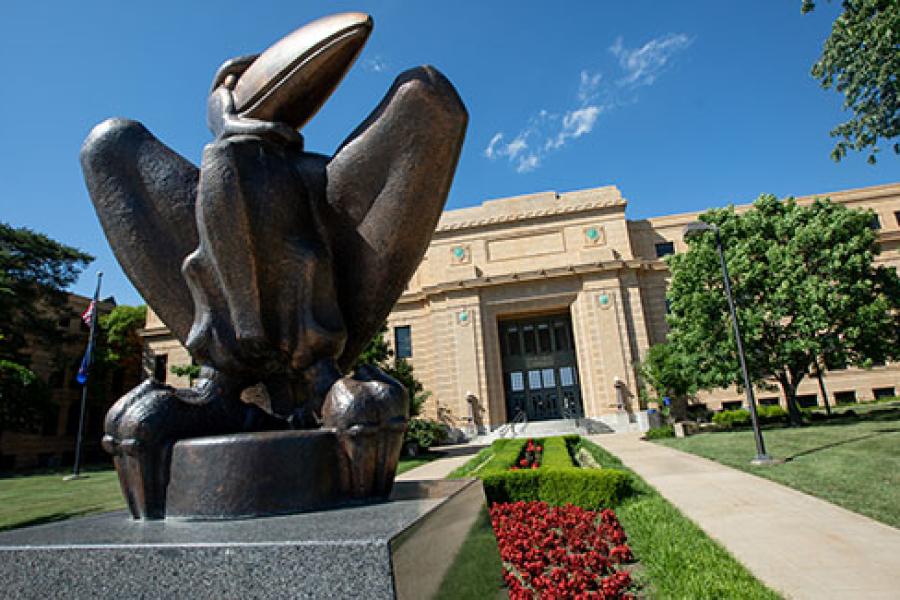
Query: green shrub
point(424, 433)
point(589, 488)
point(732, 418)
point(556, 453)
point(741, 416)
point(658, 433)
point(771, 414)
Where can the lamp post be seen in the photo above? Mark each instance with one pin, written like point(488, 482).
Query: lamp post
point(696, 229)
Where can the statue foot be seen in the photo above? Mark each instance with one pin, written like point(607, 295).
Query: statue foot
point(369, 411)
point(143, 425)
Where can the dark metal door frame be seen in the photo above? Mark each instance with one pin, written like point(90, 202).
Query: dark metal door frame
point(540, 372)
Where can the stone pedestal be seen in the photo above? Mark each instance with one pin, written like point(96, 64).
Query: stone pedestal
point(396, 549)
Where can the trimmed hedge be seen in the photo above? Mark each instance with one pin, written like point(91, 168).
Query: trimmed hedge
point(741, 417)
point(557, 482)
point(593, 489)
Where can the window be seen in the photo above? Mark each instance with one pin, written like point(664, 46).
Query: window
point(160, 367)
point(875, 223)
point(512, 341)
point(768, 402)
point(566, 377)
point(403, 341)
point(544, 338)
point(665, 249)
point(549, 377)
point(845, 397)
point(732, 405)
point(562, 336)
point(534, 380)
point(807, 400)
point(516, 381)
point(897, 216)
point(885, 392)
point(528, 335)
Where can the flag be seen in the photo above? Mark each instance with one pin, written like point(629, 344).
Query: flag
point(85, 367)
point(88, 315)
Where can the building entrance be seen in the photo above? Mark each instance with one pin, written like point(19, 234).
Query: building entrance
point(540, 372)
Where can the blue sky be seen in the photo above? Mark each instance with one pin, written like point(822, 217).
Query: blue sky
point(682, 105)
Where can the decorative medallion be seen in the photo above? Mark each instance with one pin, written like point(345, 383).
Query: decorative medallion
point(463, 317)
point(594, 236)
point(460, 254)
point(603, 300)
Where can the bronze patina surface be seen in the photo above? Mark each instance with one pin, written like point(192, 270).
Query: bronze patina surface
point(274, 266)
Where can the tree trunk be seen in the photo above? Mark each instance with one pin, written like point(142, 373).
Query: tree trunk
point(823, 390)
point(790, 399)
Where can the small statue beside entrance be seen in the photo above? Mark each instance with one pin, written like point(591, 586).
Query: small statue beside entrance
point(274, 266)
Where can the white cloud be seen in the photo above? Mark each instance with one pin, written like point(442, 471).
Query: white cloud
point(643, 65)
point(376, 64)
point(547, 132)
point(587, 89)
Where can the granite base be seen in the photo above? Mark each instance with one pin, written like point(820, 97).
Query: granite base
point(396, 549)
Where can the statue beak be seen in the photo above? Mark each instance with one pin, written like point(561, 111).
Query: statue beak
point(291, 80)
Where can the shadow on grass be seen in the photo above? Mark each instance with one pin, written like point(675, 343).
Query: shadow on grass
point(876, 433)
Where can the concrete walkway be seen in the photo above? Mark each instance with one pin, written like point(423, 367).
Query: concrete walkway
point(441, 467)
point(796, 544)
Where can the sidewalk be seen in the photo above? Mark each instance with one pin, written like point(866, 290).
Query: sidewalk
point(441, 467)
point(796, 544)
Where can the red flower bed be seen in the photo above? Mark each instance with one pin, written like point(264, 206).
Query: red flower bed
point(561, 552)
point(530, 458)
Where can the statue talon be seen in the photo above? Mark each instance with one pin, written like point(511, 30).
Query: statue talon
point(272, 265)
point(369, 411)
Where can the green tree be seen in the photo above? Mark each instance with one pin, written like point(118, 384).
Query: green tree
point(23, 397)
point(34, 271)
point(805, 285)
point(861, 59)
point(667, 372)
point(121, 345)
point(191, 371)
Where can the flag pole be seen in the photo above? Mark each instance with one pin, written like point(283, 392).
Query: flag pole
point(88, 359)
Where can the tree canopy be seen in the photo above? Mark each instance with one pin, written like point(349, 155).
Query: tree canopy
point(34, 270)
point(805, 286)
point(861, 59)
point(378, 353)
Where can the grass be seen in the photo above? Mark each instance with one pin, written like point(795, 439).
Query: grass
point(33, 499)
point(853, 462)
point(43, 497)
point(676, 558)
point(476, 570)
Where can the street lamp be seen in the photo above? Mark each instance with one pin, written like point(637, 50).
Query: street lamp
point(698, 228)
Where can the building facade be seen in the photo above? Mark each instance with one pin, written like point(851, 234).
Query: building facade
point(540, 306)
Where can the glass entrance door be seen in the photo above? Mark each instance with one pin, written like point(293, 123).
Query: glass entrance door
point(539, 368)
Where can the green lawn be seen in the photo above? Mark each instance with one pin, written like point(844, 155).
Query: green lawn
point(31, 499)
point(44, 497)
point(853, 461)
point(476, 570)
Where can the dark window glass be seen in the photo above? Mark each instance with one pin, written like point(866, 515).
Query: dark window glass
point(403, 341)
point(875, 223)
point(512, 341)
point(808, 400)
point(897, 216)
point(160, 367)
point(665, 249)
point(732, 404)
point(885, 392)
point(848, 397)
point(64, 322)
point(544, 338)
point(562, 336)
point(768, 402)
point(528, 334)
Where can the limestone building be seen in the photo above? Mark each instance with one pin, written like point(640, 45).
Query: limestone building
point(544, 303)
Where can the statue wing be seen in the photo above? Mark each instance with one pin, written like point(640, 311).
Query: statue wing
point(386, 188)
point(144, 195)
